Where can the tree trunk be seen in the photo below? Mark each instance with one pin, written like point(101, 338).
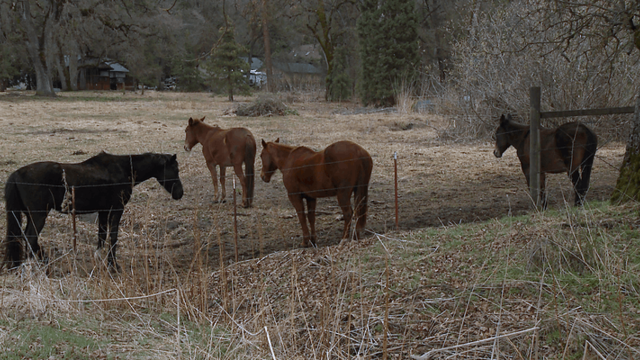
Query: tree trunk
point(628, 184)
point(326, 43)
point(62, 72)
point(73, 67)
point(267, 48)
point(43, 86)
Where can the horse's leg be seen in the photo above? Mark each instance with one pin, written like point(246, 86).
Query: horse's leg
point(243, 181)
point(114, 223)
point(298, 204)
point(35, 223)
point(103, 229)
point(311, 214)
point(344, 200)
point(574, 174)
point(214, 177)
point(223, 175)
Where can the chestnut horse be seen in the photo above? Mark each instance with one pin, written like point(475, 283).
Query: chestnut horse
point(225, 148)
point(569, 148)
point(342, 169)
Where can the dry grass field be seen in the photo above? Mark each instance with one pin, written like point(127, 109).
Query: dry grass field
point(182, 295)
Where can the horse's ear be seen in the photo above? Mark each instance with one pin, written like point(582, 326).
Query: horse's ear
point(203, 118)
point(190, 121)
point(504, 119)
point(277, 140)
point(264, 144)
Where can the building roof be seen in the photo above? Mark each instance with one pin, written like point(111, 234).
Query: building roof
point(297, 68)
point(255, 62)
point(116, 67)
point(94, 62)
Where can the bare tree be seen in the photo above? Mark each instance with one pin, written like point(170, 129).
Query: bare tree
point(610, 27)
point(328, 21)
point(51, 29)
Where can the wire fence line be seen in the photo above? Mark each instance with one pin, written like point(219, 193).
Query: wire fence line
point(232, 176)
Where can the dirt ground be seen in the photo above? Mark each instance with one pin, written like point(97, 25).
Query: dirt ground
point(439, 183)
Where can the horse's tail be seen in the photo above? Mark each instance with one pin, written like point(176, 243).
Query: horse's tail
point(362, 193)
point(586, 165)
point(249, 163)
point(15, 207)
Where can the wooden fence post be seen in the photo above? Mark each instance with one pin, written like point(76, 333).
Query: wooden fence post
point(73, 214)
point(534, 146)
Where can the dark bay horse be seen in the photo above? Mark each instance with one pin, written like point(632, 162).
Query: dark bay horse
point(569, 148)
point(342, 169)
point(103, 184)
point(225, 148)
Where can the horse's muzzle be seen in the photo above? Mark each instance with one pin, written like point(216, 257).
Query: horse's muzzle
point(177, 192)
point(187, 148)
point(497, 153)
point(266, 175)
point(177, 195)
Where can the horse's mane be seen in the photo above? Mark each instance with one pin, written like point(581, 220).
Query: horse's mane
point(104, 157)
point(101, 157)
point(303, 149)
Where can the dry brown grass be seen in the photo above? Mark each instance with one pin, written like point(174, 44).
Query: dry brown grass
point(181, 295)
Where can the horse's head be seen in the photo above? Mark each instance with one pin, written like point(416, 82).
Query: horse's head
point(268, 160)
point(169, 177)
point(502, 136)
point(191, 139)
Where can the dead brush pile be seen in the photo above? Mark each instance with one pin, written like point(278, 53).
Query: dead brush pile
point(264, 106)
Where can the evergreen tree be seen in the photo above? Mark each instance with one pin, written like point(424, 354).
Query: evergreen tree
point(388, 48)
point(340, 83)
point(184, 66)
point(226, 69)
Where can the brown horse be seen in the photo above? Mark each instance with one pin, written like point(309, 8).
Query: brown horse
point(339, 170)
point(569, 148)
point(225, 148)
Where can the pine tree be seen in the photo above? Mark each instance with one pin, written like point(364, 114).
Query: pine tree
point(340, 83)
point(388, 48)
point(226, 69)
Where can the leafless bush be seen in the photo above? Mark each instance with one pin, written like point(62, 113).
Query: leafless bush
point(404, 91)
point(507, 52)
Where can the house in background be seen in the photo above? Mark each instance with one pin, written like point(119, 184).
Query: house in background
point(103, 75)
point(298, 75)
point(257, 78)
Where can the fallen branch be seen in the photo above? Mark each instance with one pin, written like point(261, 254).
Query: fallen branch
point(425, 356)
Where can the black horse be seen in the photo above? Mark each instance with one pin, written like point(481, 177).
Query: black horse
point(568, 148)
point(103, 184)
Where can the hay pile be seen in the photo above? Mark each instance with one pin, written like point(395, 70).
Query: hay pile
point(264, 106)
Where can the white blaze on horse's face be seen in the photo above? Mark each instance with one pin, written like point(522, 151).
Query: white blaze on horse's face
point(188, 142)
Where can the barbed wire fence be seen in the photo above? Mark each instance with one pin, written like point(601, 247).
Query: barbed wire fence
point(375, 186)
